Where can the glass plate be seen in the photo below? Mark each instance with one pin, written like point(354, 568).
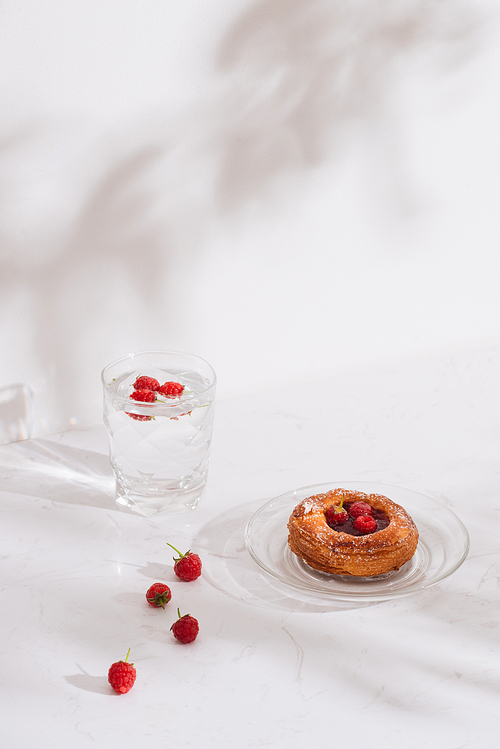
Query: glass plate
point(443, 546)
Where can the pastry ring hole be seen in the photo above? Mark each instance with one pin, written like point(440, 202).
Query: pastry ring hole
point(381, 518)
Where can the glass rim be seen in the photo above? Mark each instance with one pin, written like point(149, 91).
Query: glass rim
point(148, 406)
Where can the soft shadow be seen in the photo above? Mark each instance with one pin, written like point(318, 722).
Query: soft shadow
point(71, 286)
point(293, 81)
point(114, 240)
point(58, 473)
point(231, 570)
point(97, 684)
point(305, 73)
point(161, 572)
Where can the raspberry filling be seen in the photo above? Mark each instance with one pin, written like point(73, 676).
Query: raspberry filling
point(379, 516)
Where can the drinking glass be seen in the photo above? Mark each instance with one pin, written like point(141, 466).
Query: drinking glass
point(159, 447)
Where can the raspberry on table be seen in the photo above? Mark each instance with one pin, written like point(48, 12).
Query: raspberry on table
point(187, 566)
point(186, 628)
point(158, 594)
point(121, 675)
point(360, 508)
point(365, 524)
point(146, 383)
point(171, 389)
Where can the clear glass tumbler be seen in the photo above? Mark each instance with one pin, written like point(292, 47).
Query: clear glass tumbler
point(159, 447)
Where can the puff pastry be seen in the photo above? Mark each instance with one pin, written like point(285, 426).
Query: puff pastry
point(338, 553)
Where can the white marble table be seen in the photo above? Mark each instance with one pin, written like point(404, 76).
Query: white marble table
point(268, 668)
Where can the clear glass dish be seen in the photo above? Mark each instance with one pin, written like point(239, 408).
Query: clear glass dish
point(443, 546)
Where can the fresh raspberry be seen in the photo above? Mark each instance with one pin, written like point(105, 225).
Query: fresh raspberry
point(365, 524)
point(335, 515)
point(158, 595)
point(146, 383)
point(144, 396)
point(360, 508)
point(187, 566)
point(121, 675)
point(171, 389)
point(186, 628)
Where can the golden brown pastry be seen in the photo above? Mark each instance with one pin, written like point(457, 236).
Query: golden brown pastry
point(337, 551)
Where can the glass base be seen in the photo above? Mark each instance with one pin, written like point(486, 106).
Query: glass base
point(172, 502)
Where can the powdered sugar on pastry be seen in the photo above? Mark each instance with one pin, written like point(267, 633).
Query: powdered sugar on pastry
point(323, 548)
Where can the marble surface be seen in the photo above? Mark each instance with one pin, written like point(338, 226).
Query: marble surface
point(270, 667)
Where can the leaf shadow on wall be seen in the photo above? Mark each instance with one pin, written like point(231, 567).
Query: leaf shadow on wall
point(293, 78)
point(304, 73)
point(111, 242)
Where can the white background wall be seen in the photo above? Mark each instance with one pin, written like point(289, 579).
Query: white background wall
point(286, 187)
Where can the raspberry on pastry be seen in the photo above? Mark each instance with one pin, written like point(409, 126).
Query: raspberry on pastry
point(336, 514)
point(365, 524)
point(360, 508)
